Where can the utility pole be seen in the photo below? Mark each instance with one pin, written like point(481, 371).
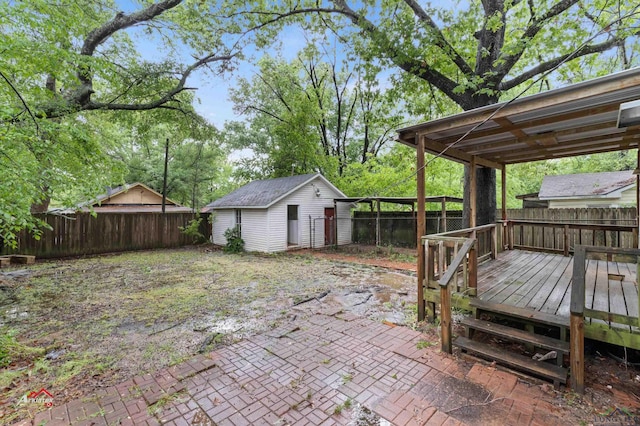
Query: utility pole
point(164, 179)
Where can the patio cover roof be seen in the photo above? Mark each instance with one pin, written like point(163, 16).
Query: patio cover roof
point(574, 120)
point(399, 200)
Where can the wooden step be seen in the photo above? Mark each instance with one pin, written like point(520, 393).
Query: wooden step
point(516, 361)
point(517, 335)
point(520, 313)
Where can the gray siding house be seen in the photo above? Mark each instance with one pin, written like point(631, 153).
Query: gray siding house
point(585, 190)
point(284, 213)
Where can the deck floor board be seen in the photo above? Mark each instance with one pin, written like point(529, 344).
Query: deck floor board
point(542, 282)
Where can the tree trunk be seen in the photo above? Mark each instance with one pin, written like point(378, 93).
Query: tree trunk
point(486, 196)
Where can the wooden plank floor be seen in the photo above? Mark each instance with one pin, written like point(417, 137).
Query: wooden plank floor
point(542, 282)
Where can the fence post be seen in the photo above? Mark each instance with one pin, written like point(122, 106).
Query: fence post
point(566, 240)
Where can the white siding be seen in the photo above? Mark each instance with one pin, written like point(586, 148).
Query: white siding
point(222, 220)
point(265, 230)
point(310, 214)
point(628, 198)
point(254, 230)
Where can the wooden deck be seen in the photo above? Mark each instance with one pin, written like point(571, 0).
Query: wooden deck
point(542, 282)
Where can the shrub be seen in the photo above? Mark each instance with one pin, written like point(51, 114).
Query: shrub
point(235, 243)
point(193, 230)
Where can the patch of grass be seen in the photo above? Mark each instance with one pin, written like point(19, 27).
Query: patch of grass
point(13, 351)
point(346, 378)
point(344, 406)
point(423, 344)
point(164, 400)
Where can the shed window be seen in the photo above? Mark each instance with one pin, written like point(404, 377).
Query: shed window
point(238, 219)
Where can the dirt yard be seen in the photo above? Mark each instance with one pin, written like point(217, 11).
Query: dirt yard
point(74, 326)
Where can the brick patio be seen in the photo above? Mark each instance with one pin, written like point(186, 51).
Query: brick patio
point(317, 370)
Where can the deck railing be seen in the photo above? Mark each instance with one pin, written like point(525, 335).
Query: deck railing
point(562, 237)
point(579, 310)
point(451, 261)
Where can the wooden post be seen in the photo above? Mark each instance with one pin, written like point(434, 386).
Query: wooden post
point(576, 325)
point(378, 224)
point(473, 194)
point(430, 275)
point(504, 192)
point(566, 240)
point(445, 318)
point(511, 235)
point(494, 242)
point(473, 270)
point(577, 352)
point(443, 224)
point(335, 223)
point(420, 173)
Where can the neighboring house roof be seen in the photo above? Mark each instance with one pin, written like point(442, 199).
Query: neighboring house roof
point(262, 194)
point(114, 201)
point(586, 185)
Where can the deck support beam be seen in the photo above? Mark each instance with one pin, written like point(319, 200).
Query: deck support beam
point(420, 174)
point(577, 352)
point(473, 194)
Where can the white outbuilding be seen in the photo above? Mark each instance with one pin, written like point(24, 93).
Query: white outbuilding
point(284, 213)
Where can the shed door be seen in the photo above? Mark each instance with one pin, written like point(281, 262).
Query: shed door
point(292, 225)
point(329, 225)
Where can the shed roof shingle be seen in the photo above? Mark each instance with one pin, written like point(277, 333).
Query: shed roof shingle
point(585, 184)
point(260, 193)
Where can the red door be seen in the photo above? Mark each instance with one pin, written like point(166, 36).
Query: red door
point(329, 226)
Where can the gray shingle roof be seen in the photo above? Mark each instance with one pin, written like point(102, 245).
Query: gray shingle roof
point(585, 184)
point(260, 193)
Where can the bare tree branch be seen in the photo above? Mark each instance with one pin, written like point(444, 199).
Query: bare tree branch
point(507, 62)
point(553, 63)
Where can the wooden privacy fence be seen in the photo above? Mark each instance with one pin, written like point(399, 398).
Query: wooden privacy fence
point(82, 234)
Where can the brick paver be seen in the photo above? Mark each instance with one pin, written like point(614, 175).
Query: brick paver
point(313, 371)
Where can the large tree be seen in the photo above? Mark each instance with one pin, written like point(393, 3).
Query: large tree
point(313, 113)
point(477, 52)
point(68, 68)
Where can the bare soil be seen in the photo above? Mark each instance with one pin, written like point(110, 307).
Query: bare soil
point(78, 325)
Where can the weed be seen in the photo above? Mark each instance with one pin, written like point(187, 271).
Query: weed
point(394, 376)
point(346, 378)
point(344, 406)
point(423, 344)
point(163, 401)
point(235, 243)
point(11, 350)
point(325, 361)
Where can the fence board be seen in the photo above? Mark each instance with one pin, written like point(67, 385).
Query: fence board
point(83, 234)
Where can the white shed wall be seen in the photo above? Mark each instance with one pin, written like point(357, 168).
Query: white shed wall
point(222, 220)
point(254, 230)
point(265, 230)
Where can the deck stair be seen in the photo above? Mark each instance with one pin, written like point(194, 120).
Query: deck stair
point(552, 370)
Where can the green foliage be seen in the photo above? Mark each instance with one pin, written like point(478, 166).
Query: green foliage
point(65, 96)
point(235, 243)
point(321, 115)
point(193, 230)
